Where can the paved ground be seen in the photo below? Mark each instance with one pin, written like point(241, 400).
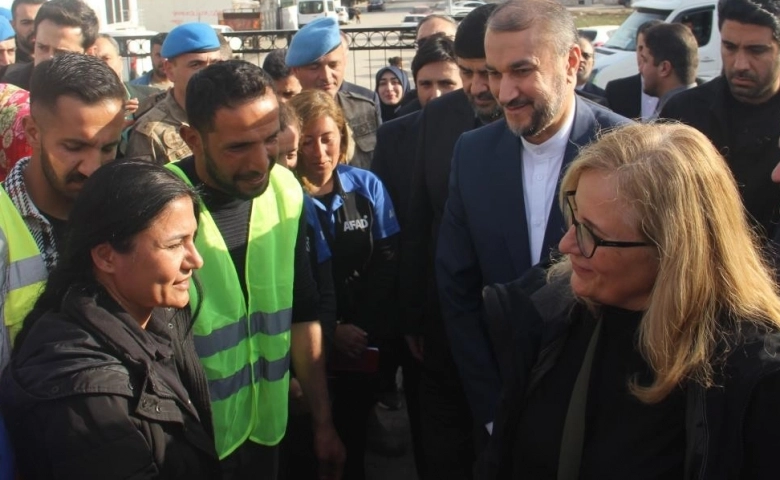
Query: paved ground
point(394, 426)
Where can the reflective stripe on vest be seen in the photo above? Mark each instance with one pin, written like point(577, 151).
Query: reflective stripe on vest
point(25, 274)
point(244, 343)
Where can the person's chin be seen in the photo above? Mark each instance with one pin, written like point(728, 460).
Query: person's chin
point(253, 189)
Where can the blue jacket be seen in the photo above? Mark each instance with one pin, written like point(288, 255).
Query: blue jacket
point(483, 239)
point(361, 230)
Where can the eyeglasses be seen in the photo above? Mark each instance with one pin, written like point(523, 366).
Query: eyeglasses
point(587, 241)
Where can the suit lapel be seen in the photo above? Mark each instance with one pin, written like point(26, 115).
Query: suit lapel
point(509, 199)
point(583, 131)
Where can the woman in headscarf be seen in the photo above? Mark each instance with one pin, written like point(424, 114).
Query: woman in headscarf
point(392, 84)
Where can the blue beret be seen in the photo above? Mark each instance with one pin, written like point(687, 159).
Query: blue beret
point(6, 30)
point(4, 12)
point(190, 38)
point(314, 40)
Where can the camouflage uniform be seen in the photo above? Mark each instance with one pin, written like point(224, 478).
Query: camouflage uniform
point(155, 136)
point(361, 116)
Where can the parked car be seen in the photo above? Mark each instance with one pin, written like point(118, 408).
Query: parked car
point(410, 22)
point(598, 35)
point(343, 15)
point(460, 9)
point(376, 6)
point(421, 10)
point(617, 57)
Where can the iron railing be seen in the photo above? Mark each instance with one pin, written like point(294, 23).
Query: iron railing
point(370, 48)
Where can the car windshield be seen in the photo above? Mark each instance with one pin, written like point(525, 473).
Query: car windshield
point(308, 8)
point(624, 38)
point(589, 34)
point(411, 19)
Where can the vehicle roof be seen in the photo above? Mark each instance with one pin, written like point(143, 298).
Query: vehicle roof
point(671, 4)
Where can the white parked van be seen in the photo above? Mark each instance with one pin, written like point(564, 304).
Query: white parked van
point(309, 10)
point(617, 57)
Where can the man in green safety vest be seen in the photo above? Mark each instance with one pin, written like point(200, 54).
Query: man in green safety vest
point(74, 127)
point(257, 306)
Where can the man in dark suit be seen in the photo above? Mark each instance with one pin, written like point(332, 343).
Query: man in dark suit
point(502, 214)
point(626, 96)
point(406, 149)
point(585, 88)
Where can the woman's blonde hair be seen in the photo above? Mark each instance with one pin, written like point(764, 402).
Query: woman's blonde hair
point(710, 264)
point(311, 105)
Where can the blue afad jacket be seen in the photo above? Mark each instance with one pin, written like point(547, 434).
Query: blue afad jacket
point(360, 228)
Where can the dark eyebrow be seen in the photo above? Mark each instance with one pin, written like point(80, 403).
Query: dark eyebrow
point(522, 63)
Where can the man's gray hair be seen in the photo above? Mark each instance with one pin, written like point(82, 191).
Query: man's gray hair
point(553, 18)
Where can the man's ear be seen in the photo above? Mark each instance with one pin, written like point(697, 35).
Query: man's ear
point(666, 68)
point(573, 61)
point(104, 257)
point(168, 68)
point(192, 138)
point(31, 131)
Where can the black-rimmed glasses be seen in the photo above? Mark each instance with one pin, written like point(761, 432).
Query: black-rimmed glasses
point(587, 241)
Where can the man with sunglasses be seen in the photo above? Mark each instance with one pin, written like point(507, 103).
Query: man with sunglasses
point(584, 87)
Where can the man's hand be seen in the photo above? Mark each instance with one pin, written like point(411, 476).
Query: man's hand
point(330, 452)
point(350, 340)
point(415, 344)
point(131, 106)
point(298, 402)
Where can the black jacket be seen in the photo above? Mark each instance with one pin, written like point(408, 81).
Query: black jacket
point(624, 96)
point(19, 74)
point(729, 428)
point(706, 108)
point(89, 394)
point(439, 127)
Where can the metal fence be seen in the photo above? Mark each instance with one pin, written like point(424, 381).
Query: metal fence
point(369, 48)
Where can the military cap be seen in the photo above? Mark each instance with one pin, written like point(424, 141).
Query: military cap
point(6, 30)
point(190, 38)
point(314, 40)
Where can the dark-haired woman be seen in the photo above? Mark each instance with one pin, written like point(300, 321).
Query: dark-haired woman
point(104, 381)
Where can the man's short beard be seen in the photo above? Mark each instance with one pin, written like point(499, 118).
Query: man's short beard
point(489, 116)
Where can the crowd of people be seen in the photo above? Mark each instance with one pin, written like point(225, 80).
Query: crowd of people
point(215, 270)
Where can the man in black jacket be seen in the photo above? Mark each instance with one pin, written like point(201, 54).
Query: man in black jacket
point(739, 110)
point(60, 26)
point(585, 88)
point(447, 428)
point(626, 96)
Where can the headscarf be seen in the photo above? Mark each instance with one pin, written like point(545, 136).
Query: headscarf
point(14, 106)
point(388, 111)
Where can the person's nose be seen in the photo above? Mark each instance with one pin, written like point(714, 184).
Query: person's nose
point(741, 62)
point(568, 244)
point(91, 161)
point(193, 260)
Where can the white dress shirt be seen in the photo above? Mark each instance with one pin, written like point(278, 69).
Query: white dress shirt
point(541, 170)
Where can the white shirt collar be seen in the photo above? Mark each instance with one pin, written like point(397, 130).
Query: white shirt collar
point(555, 144)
